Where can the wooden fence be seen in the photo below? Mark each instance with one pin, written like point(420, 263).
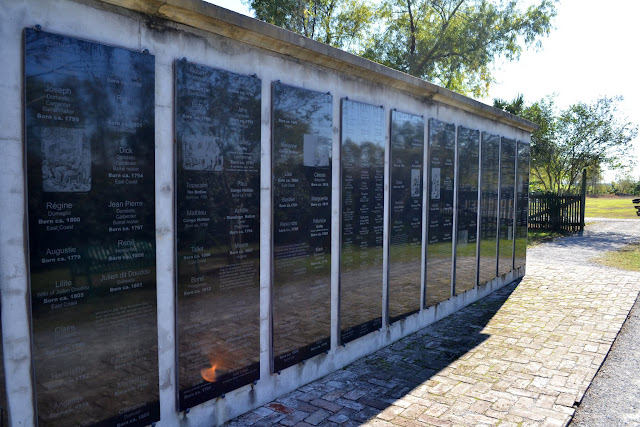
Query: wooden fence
point(562, 213)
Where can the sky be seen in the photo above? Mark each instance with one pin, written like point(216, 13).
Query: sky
point(592, 52)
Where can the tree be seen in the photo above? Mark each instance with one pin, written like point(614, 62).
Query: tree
point(455, 42)
point(514, 107)
point(339, 23)
point(625, 184)
point(583, 136)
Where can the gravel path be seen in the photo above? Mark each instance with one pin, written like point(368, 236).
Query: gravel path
point(602, 235)
point(613, 399)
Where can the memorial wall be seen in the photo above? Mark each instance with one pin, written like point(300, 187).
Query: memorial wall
point(89, 139)
point(522, 204)
point(506, 208)
point(466, 256)
point(361, 260)
point(405, 217)
point(442, 147)
point(302, 122)
point(489, 184)
point(203, 212)
point(217, 126)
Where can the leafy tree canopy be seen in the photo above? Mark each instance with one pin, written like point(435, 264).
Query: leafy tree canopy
point(453, 43)
point(340, 23)
point(582, 136)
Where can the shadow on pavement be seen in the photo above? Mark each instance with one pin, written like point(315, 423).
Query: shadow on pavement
point(414, 360)
point(360, 391)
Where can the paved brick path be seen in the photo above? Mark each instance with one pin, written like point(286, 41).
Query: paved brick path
point(522, 356)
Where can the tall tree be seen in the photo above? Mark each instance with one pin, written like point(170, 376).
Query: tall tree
point(582, 136)
point(340, 23)
point(455, 43)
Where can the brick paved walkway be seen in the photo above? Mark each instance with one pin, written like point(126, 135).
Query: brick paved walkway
point(522, 356)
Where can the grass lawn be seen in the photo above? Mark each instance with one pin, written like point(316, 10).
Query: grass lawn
point(535, 237)
point(627, 258)
point(611, 207)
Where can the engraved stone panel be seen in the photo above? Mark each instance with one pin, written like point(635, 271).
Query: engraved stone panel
point(362, 219)
point(522, 209)
point(442, 142)
point(407, 150)
point(489, 174)
point(89, 122)
point(507, 205)
point(301, 141)
point(217, 125)
point(467, 182)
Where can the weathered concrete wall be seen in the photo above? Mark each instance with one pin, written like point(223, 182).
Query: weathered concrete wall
point(214, 37)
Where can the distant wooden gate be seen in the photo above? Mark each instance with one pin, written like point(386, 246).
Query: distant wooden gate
point(562, 213)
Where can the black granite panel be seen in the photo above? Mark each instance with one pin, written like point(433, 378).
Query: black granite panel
point(301, 147)
point(489, 174)
point(362, 219)
point(407, 151)
point(89, 119)
point(217, 125)
point(442, 142)
point(507, 205)
point(467, 224)
point(522, 208)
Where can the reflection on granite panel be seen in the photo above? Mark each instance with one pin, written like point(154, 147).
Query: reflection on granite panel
point(489, 173)
point(302, 317)
point(466, 262)
point(522, 208)
point(302, 131)
point(507, 205)
point(89, 120)
point(442, 140)
point(217, 127)
point(407, 150)
point(359, 290)
point(362, 219)
point(219, 338)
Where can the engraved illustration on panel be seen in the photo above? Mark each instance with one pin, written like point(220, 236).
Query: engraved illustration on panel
point(362, 219)
point(217, 126)
point(468, 174)
point(301, 141)
point(407, 150)
point(66, 160)
point(489, 172)
point(201, 153)
point(507, 205)
point(442, 141)
point(89, 119)
point(523, 204)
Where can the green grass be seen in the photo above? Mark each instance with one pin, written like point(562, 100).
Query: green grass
point(626, 258)
point(611, 207)
point(538, 236)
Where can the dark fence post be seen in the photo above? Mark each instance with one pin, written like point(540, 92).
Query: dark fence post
point(583, 199)
point(555, 212)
